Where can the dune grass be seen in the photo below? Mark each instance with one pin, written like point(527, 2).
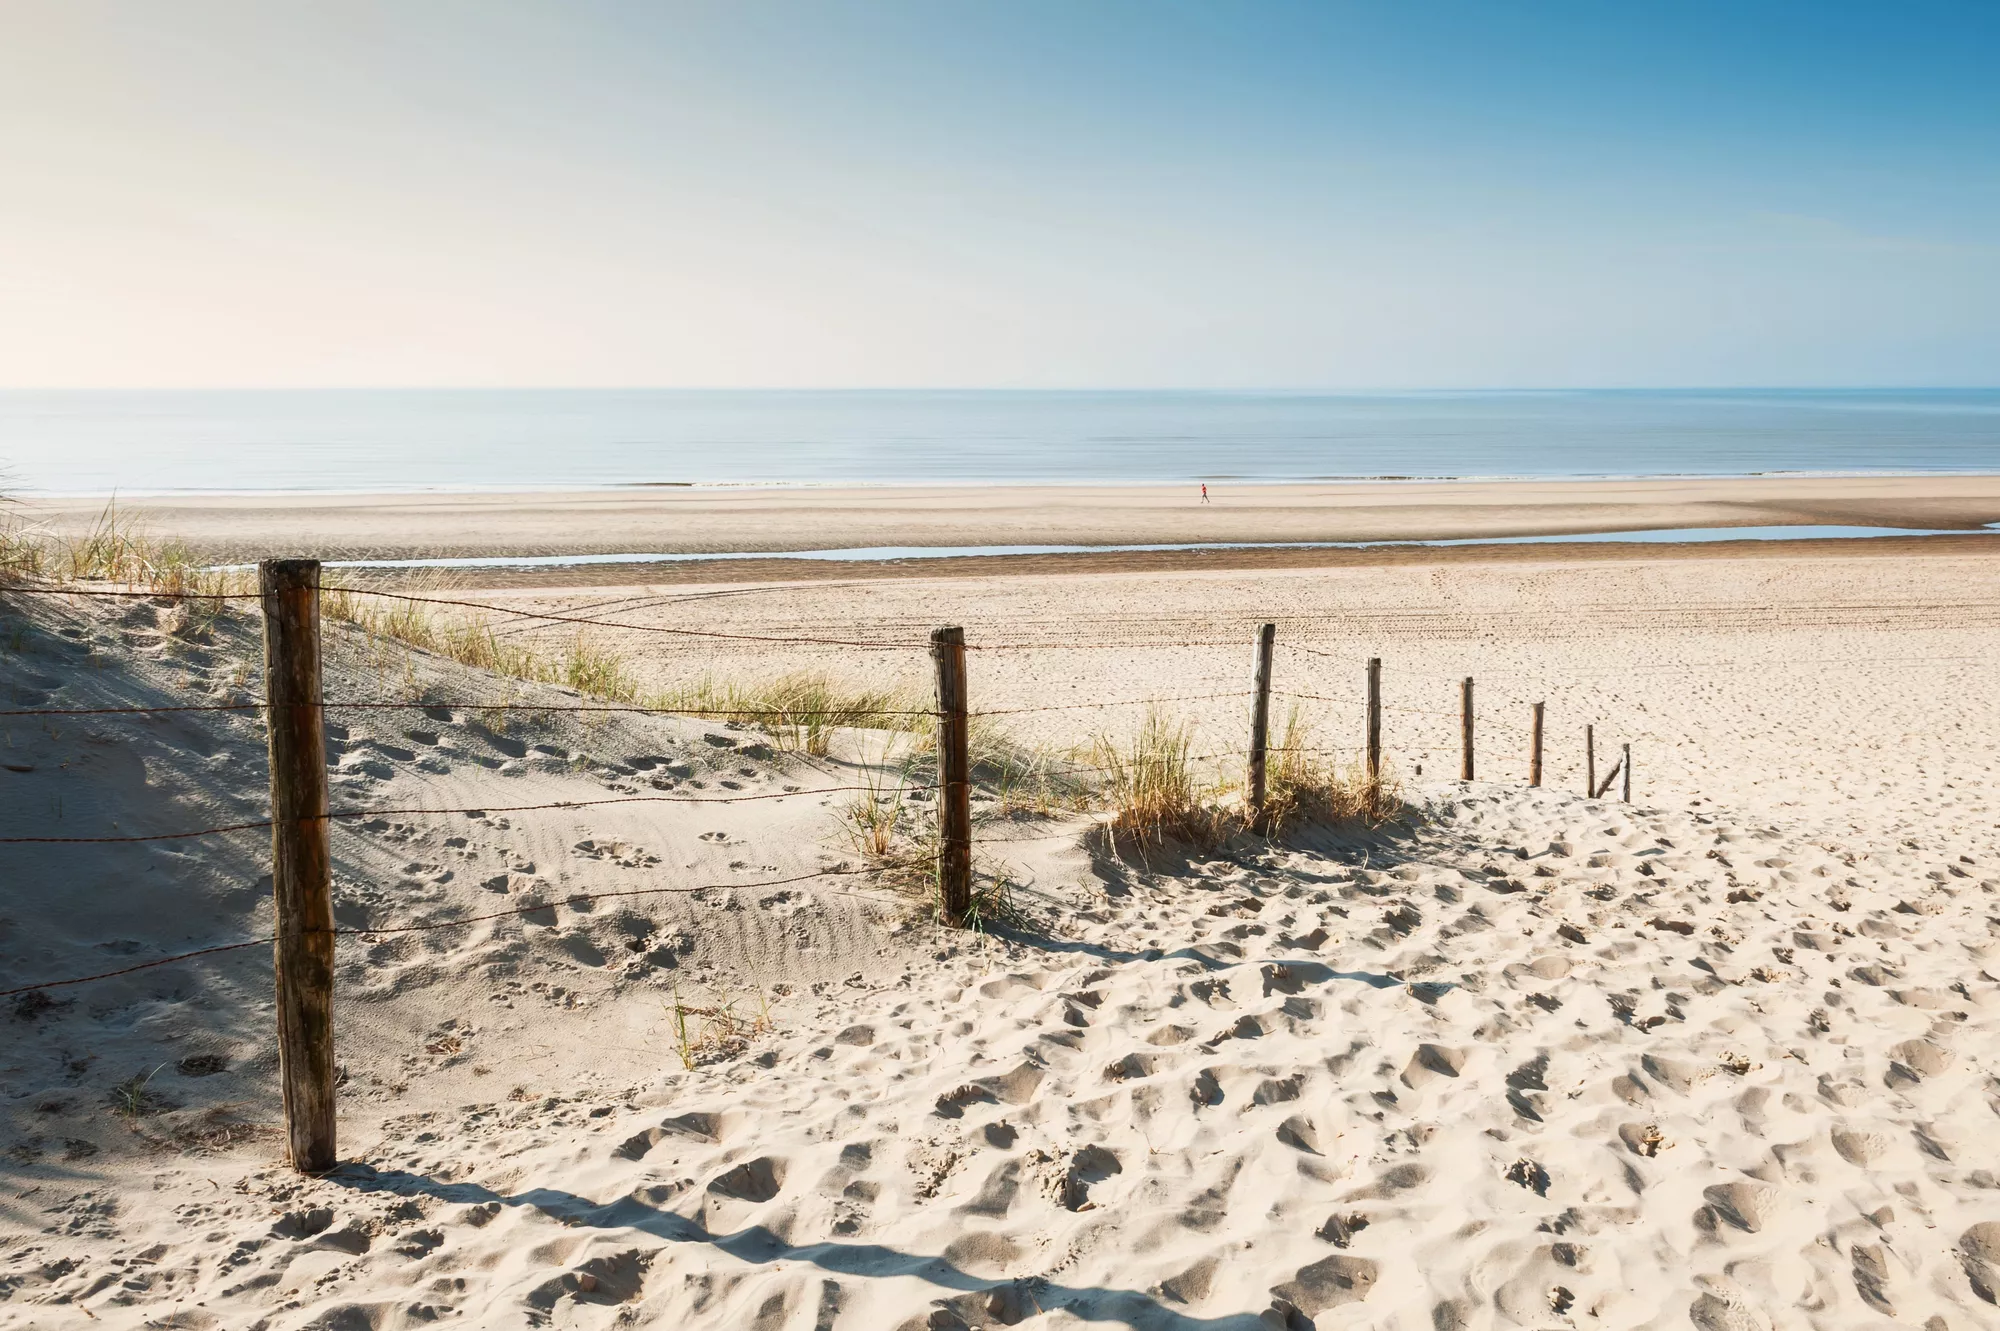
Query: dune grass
point(1304, 783)
point(727, 1026)
point(1155, 790)
point(118, 549)
point(875, 817)
point(1149, 783)
point(892, 820)
point(801, 709)
point(581, 663)
point(21, 556)
point(135, 1098)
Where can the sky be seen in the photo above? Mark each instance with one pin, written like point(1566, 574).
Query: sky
point(1035, 194)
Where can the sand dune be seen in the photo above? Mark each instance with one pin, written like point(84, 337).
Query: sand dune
point(1723, 1056)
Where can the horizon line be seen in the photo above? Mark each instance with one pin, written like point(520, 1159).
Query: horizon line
point(1192, 390)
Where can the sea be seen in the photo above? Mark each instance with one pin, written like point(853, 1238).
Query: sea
point(136, 443)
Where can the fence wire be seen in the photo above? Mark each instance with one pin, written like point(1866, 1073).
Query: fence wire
point(1118, 765)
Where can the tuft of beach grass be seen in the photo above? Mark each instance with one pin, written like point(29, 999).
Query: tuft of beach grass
point(1304, 783)
point(1156, 791)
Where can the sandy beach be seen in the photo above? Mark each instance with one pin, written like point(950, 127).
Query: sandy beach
point(1722, 1056)
point(812, 667)
point(691, 520)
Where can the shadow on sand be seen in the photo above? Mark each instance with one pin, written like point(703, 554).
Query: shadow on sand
point(991, 1302)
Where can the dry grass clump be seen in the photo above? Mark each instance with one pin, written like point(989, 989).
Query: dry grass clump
point(801, 709)
point(720, 1030)
point(113, 549)
point(1023, 781)
point(203, 1131)
point(896, 831)
point(135, 1098)
point(1155, 790)
point(993, 905)
point(582, 664)
point(875, 815)
point(116, 548)
point(892, 822)
point(1026, 782)
point(22, 556)
point(1306, 784)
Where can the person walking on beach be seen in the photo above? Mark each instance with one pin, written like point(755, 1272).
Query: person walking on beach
point(1204, 492)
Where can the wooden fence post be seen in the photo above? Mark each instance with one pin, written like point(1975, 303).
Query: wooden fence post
point(1535, 750)
point(954, 778)
point(1374, 718)
point(1465, 730)
point(1626, 761)
point(301, 863)
point(1260, 724)
point(1590, 761)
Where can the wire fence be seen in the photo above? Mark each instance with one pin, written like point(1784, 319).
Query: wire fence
point(1356, 708)
point(936, 768)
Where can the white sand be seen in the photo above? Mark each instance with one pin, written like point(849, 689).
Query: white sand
point(1725, 1055)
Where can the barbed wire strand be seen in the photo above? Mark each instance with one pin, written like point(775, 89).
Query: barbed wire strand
point(148, 595)
point(503, 705)
point(130, 711)
point(1343, 624)
point(634, 628)
point(341, 815)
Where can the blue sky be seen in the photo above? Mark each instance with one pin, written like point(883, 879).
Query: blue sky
point(1027, 194)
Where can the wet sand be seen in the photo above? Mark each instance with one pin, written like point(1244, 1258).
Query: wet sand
point(716, 520)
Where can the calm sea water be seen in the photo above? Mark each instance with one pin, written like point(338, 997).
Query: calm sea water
point(143, 442)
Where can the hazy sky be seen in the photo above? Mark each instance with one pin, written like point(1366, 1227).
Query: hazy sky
point(1021, 194)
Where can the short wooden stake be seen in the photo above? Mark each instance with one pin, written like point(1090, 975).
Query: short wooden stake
point(954, 778)
point(1465, 730)
point(1374, 718)
point(1535, 750)
point(301, 863)
point(1590, 760)
point(1626, 763)
point(1609, 777)
point(1260, 724)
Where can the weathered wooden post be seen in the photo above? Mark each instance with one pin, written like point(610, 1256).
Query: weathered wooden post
point(1535, 749)
point(301, 862)
point(1260, 724)
point(1609, 777)
point(1626, 762)
point(1374, 719)
point(954, 777)
point(1465, 730)
point(1590, 761)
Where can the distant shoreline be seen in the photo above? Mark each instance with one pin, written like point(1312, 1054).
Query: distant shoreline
point(774, 522)
point(1237, 482)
